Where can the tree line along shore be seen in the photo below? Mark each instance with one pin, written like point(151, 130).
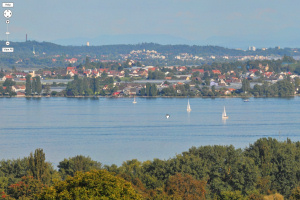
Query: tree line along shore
point(275, 78)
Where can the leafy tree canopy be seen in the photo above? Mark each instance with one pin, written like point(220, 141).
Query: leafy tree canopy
point(91, 185)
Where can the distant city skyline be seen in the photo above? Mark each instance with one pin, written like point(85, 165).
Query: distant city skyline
point(231, 23)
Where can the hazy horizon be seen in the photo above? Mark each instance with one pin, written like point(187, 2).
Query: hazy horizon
point(231, 24)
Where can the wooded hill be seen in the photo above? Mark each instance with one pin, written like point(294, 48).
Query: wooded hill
point(26, 49)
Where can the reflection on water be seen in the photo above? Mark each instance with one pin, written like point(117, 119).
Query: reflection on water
point(224, 121)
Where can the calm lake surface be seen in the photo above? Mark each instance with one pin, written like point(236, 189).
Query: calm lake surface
point(113, 130)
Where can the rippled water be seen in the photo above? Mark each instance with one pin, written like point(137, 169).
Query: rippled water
point(115, 130)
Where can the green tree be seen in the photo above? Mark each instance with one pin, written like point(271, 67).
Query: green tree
point(9, 82)
point(87, 62)
point(245, 85)
point(148, 89)
point(185, 187)
point(126, 73)
point(38, 85)
point(295, 194)
point(28, 85)
point(47, 89)
point(1, 90)
point(38, 167)
point(207, 81)
point(213, 89)
point(95, 85)
point(27, 188)
point(229, 195)
point(297, 82)
point(288, 59)
point(196, 74)
point(153, 90)
point(297, 70)
point(118, 79)
point(91, 185)
point(104, 74)
point(68, 167)
point(33, 85)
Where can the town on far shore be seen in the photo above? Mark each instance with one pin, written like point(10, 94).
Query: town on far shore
point(130, 77)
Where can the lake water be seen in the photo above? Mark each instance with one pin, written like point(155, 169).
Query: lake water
point(113, 130)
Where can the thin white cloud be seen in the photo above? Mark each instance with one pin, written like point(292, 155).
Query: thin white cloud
point(264, 13)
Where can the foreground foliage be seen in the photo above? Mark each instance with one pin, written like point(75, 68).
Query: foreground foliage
point(91, 185)
point(267, 169)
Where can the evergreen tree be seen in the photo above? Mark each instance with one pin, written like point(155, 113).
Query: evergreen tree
point(33, 85)
point(38, 167)
point(28, 85)
point(148, 87)
point(153, 90)
point(47, 89)
point(246, 85)
point(87, 62)
point(38, 85)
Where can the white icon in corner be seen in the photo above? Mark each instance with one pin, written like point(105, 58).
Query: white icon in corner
point(7, 5)
point(8, 49)
point(7, 13)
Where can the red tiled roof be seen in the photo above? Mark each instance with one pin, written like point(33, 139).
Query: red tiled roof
point(8, 76)
point(216, 71)
point(71, 68)
point(198, 70)
point(253, 70)
point(268, 73)
point(103, 69)
point(152, 69)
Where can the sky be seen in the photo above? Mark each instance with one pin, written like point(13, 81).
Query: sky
point(228, 23)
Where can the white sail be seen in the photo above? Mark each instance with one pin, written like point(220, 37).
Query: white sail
point(224, 114)
point(134, 101)
point(188, 106)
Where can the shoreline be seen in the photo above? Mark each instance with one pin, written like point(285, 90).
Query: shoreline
point(191, 97)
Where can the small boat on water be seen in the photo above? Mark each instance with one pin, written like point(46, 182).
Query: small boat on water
point(134, 101)
point(167, 116)
point(188, 107)
point(224, 115)
point(246, 100)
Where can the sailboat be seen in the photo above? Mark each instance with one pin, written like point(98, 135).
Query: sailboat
point(134, 101)
point(188, 109)
point(224, 116)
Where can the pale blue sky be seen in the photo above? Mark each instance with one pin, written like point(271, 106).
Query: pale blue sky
point(253, 22)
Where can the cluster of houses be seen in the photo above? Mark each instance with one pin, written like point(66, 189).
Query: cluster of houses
point(143, 54)
point(174, 74)
point(133, 72)
point(152, 54)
